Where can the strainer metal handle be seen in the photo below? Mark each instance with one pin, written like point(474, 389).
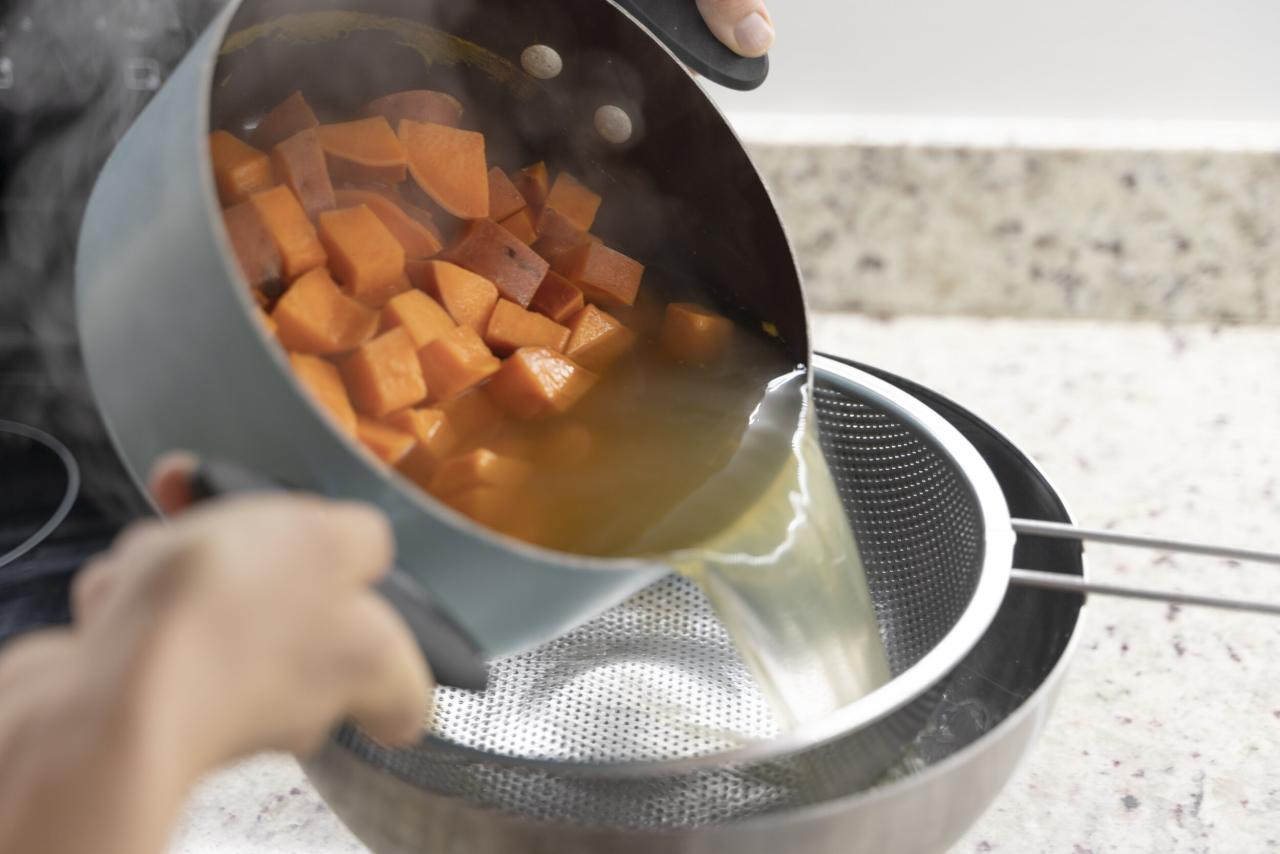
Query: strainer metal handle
point(1076, 584)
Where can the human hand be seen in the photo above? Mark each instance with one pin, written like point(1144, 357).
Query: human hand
point(743, 25)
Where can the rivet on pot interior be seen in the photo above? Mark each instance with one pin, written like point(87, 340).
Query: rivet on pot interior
point(613, 124)
point(541, 61)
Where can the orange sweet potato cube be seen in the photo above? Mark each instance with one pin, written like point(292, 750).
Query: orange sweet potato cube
point(290, 229)
point(421, 105)
point(557, 235)
point(468, 298)
point(364, 151)
point(597, 339)
point(435, 438)
point(323, 382)
point(420, 315)
point(532, 182)
point(239, 169)
point(455, 362)
point(566, 444)
point(364, 255)
point(522, 225)
point(473, 414)
point(386, 442)
point(538, 381)
point(694, 335)
point(487, 249)
point(504, 198)
point(287, 118)
point(254, 249)
point(315, 316)
point(299, 163)
point(605, 275)
point(557, 298)
point(414, 236)
point(574, 201)
point(512, 327)
point(449, 165)
point(479, 467)
point(383, 374)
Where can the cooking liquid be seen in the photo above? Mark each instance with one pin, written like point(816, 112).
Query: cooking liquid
point(699, 469)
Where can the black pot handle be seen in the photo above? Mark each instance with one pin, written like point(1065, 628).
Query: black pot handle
point(679, 25)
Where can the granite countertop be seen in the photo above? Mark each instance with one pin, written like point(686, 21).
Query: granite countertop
point(1164, 735)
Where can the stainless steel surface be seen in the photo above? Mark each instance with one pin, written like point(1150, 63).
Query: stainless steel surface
point(1038, 528)
point(986, 713)
point(72, 491)
point(176, 360)
point(1052, 581)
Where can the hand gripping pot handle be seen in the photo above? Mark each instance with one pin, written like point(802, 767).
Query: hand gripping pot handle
point(678, 24)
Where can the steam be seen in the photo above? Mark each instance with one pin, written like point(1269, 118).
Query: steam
point(73, 76)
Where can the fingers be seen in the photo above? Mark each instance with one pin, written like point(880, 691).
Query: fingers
point(743, 25)
point(170, 481)
point(390, 683)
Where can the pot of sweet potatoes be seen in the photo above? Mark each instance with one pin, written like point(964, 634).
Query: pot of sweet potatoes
point(364, 249)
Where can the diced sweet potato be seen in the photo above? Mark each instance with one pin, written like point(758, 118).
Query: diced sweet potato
point(420, 105)
point(455, 362)
point(557, 235)
point(363, 150)
point(287, 118)
point(315, 316)
point(417, 240)
point(480, 467)
point(290, 229)
point(504, 198)
point(488, 505)
point(597, 339)
point(574, 201)
point(489, 250)
point(421, 316)
point(522, 225)
point(322, 380)
point(435, 438)
point(539, 381)
point(239, 169)
point(253, 247)
point(532, 183)
point(557, 298)
point(448, 164)
point(387, 443)
point(566, 444)
point(605, 275)
point(512, 327)
point(299, 163)
point(695, 335)
point(473, 415)
point(363, 254)
point(384, 375)
point(468, 298)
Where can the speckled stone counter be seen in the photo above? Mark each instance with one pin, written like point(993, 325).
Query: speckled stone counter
point(1166, 733)
point(1027, 233)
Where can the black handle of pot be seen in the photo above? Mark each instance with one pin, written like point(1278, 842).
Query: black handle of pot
point(679, 25)
point(455, 657)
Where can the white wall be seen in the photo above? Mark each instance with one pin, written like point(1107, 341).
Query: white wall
point(1105, 70)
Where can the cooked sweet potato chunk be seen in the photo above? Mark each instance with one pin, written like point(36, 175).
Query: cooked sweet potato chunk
point(448, 164)
point(522, 225)
point(366, 150)
point(512, 327)
point(480, 467)
point(384, 375)
point(597, 339)
point(473, 414)
point(538, 381)
point(468, 298)
point(287, 118)
point(605, 275)
point(504, 198)
point(420, 105)
point(322, 380)
point(693, 334)
point(299, 163)
point(532, 183)
point(239, 169)
point(455, 362)
point(417, 240)
point(386, 442)
point(435, 438)
point(421, 316)
point(566, 444)
point(290, 229)
point(254, 249)
point(557, 298)
point(489, 250)
point(574, 201)
point(315, 316)
point(363, 254)
point(557, 235)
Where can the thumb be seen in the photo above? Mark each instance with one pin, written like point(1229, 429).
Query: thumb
point(743, 25)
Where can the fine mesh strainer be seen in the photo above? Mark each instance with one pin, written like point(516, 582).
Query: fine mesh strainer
point(593, 729)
